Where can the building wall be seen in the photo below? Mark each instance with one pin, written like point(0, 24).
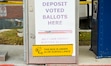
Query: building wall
point(14, 12)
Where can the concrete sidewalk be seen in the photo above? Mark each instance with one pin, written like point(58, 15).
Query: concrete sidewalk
point(16, 56)
point(87, 57)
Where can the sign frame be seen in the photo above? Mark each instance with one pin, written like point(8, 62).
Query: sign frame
point(29, 37)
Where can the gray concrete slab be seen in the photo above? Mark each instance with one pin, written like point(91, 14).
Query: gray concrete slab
point(3, 55)
point(89, 58)
point(16, 56)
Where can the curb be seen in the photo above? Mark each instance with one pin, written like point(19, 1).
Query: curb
point(7, 65)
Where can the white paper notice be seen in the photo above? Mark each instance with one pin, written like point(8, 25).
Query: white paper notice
point(55, 22)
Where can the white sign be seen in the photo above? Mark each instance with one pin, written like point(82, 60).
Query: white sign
point(55, 22)
point(3, 10)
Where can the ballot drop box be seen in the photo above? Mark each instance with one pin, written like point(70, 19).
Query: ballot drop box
point(51, 31)
point(101, 28)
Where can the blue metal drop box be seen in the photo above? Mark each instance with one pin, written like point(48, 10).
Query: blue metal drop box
point(101, 28)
